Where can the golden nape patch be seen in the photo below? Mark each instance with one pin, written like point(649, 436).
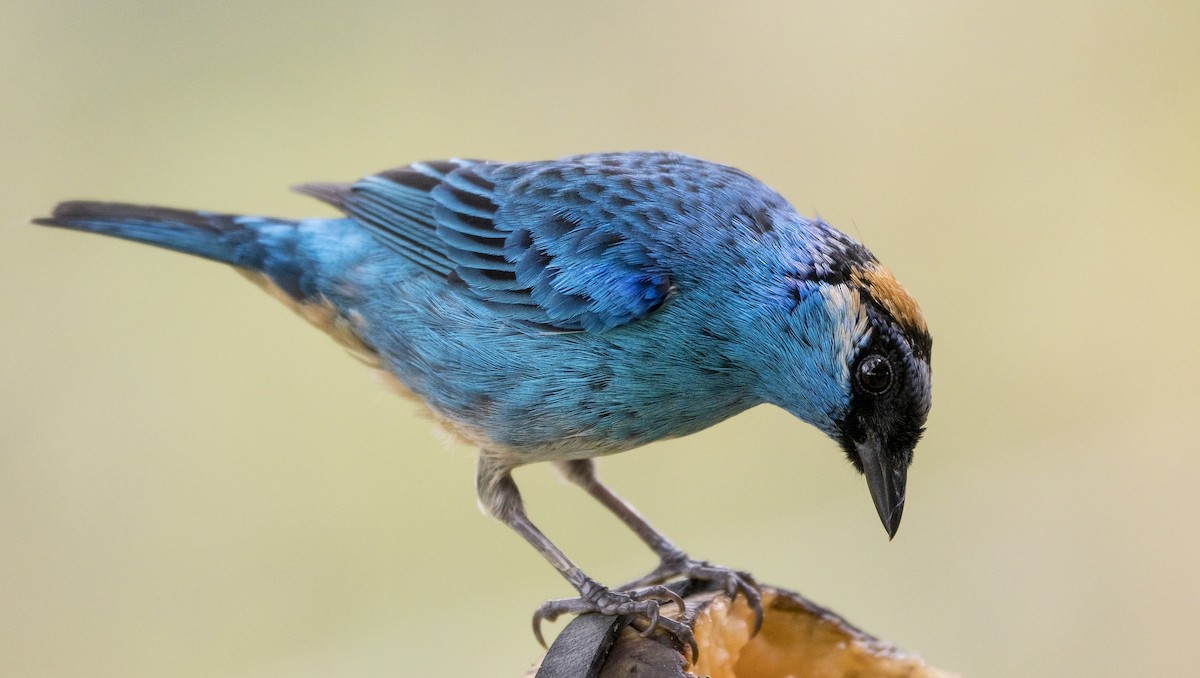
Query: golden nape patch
point(877, 281)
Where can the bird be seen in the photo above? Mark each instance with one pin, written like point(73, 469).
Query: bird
point(562, 310)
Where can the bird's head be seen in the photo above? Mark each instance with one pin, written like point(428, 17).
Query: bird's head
point(850, 354)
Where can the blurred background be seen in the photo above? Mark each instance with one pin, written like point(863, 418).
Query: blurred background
point(195, 483)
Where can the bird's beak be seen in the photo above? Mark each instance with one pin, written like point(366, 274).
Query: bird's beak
point(886, 484)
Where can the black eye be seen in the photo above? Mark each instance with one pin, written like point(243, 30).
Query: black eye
point(874, 374)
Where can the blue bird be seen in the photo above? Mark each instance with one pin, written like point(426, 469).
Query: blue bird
point(563, 310)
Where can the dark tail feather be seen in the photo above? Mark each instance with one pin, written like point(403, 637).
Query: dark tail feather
point(255, 243)
point(226, 238)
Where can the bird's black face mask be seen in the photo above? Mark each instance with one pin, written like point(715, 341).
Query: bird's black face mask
point(888, 407)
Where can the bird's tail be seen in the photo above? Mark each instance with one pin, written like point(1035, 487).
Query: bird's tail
point(254, 243)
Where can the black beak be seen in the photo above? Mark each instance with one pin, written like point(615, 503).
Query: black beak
point(886, 484)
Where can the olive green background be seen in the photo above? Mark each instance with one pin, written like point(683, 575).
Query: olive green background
point(195, 483)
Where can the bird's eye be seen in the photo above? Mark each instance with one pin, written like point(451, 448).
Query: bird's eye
point(874, 374)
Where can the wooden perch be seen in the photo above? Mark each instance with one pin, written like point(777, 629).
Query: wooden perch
point(798, 639)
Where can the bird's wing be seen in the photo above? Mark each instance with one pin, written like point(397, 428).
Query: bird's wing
point(548, 244)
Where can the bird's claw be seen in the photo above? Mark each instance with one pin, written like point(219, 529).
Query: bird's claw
point(731, 582)
point(643, 604)
point(679, 630)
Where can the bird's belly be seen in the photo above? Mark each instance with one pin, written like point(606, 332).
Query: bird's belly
point(534, 395)
point(555, 427)
point(540, 403)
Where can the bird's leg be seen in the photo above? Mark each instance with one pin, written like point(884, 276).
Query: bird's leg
point(674, 562)
point(499, 497)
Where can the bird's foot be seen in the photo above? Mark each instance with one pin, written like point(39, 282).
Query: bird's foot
point(732, 582)
point(644, 604)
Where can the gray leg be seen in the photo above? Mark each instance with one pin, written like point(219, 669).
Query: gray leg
point(499, 497)
point(582, 472)
point(674, 561)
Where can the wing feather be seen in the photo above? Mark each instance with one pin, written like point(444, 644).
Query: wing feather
point(560, 245)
